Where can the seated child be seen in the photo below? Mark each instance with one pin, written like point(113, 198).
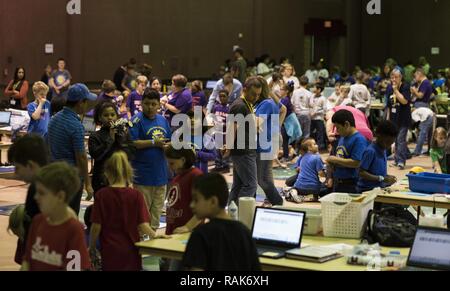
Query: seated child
point(222, 244)
point(39, 110)
point(311, 169)
point(119, 216)
point(56, 238)
point(437, 152)
point(373, 168)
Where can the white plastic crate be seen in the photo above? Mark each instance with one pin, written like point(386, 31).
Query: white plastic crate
point(344, 218)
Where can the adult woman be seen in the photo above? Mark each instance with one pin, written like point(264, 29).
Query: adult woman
point(156, 84)
point(180, 100)
point(17, 90)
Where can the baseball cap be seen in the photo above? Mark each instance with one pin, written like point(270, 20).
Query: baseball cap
point(80, 92)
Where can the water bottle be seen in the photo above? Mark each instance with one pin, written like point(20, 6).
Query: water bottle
point(233, 211)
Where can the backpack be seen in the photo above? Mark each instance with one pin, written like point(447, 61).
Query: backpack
point(391, 227)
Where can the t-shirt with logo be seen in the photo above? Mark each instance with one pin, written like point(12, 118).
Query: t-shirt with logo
point(60, 77)
point(56, 248)
point(150, 164)
point(179, 199)
point(134, 102)
point(350, 147)
point(39, 126)
point(199, 99)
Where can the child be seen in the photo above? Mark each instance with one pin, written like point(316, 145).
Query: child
point(28, 154)
point(344, 99)
point(180, 218)
point(373, 168)
point(198, 96)
point(56, 238)
point(291, 181)
point(202, 142)
point(222, 244)
point(103, 143)
point(311, 168)
point(119, 216)
point(150, 131)
point(108, 92)
point(349, 153)
point(333, 99)
point(220, 111)
point(39, 110)
point(360, 95)
point(437, 152)
point(318, 103)
point(134, 101)
point(290, 130)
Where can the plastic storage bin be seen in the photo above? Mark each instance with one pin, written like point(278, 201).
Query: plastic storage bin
point(429, 183)
point(344, 218)
point(313, 221)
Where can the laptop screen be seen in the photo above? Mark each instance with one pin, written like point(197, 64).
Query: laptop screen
point(278, 227)
point(89, 124)
point(431, 249)
point(5, 117)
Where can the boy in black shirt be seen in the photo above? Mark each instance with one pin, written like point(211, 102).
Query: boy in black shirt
point(222, 244)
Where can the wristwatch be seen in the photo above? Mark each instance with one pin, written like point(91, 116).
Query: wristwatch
point(381, 178)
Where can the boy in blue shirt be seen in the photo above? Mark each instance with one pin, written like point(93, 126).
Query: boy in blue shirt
point(150, 132)
point(311, 168)
point(39, 110)
point(349, 153)
point(373, 169)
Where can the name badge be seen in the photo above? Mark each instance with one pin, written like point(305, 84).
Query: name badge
point(13, 102)
point(394, 110)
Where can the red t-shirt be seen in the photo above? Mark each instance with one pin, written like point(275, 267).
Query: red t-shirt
point(56, 248)
point(178, 200)
point(119, 211)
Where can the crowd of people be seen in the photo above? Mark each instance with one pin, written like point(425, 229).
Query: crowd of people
point(139, 172)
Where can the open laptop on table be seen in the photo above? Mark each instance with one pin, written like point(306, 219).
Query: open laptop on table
point(89, 125)
point(5, 118)
point(276, 231)
point(430, 250)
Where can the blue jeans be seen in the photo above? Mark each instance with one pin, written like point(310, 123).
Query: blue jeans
point(420, 104)
point(265, 181)
point(401, 146)
point(305, 123)
point(244, 177)
point(424, 129)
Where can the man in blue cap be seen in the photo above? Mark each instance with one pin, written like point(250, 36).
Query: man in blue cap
point(66, 137)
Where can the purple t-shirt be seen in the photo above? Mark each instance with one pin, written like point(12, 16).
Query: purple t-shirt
point(286, 101)
point(182, 101)
point(199, 99)
point(134, 102)
point(105, 98)
point(427, 89)
point(220, 116)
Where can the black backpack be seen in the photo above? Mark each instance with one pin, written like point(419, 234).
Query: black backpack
point(391, 227)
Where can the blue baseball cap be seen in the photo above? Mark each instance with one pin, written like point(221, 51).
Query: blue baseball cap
point(80, 92)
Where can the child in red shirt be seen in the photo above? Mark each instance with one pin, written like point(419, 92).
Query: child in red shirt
point(56, 238)
point(180, 218)
point(119, 215)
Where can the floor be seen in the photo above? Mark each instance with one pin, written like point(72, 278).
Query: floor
point(14, 192)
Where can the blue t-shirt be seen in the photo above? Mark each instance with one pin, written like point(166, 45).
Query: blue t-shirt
point(39, 126)
point(265, 110)
point(374, 161)
point(134, 102)
point(310, 167)
point(150, 164)
point(350, 147)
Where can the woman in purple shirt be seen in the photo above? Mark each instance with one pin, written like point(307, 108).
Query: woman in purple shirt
point(180, 100)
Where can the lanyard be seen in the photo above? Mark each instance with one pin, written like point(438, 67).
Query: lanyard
point(249, 106)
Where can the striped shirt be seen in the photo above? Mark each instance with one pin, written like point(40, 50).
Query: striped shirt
point(66, 136)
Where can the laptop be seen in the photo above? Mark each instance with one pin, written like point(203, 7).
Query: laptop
point(276, 231)
point(89, 125)
point(5, 118)
point(430, 250)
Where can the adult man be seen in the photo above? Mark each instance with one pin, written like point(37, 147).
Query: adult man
point(233, 86)
point(66, 137)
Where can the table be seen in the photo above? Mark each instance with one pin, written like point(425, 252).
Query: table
point(399, 198)
point(174, 248)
